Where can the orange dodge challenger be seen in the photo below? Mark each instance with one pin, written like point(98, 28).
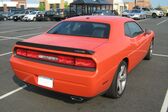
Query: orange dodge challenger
point(83, 56)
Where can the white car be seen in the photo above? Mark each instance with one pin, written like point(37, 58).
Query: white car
point(31, 16)
point(137, 14)
point(157, 13)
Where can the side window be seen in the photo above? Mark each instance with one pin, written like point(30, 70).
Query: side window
point(127, 30)
point(132, 29)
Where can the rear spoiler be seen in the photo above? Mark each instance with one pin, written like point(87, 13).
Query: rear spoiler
point(57, 48)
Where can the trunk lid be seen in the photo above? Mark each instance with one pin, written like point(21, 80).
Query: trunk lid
point(86, 43)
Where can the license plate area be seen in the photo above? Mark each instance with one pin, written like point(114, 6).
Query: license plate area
point(45, 81)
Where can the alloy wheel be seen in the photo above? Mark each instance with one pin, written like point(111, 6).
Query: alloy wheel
point(121, 80)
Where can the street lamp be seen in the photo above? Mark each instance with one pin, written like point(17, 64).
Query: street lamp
point(135, 3)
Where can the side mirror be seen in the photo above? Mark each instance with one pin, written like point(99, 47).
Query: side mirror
point(147, 31)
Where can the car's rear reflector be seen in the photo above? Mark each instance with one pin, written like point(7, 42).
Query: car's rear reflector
point(56, 58)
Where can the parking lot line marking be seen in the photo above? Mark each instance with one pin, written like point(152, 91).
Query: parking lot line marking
point(5, 54)
point(18, 37)
point(165, 103)
point(3, 39)
point(162, 22)
point(19, 30)
point(161, 55)
point(12, 92)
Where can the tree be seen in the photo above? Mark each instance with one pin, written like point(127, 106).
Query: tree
point(66, 4)
point(42, 6)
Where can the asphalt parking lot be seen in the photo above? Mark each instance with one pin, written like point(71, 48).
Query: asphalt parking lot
point(146, 89)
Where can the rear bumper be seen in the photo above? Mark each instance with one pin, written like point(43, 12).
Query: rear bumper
point(68, 81)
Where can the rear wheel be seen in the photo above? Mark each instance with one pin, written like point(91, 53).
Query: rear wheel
point(5, 18)
point(34, 19)
point(150, 52)
point(154, 15)
point(119, 82)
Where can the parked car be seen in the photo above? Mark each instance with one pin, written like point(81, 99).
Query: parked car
point(157, 13)
point(21, 14)
point(126, 13)
point(103, 13)
point(32, 16)
point(137, 14)
point(83, 56)
point(1, 17)
point(5, 15)
point(46, 16)
point(61, 14)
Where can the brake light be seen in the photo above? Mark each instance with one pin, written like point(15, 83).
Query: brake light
point(56, 58)
point(66, 60)
point(21, 52)
point(85, 62)
point(32, 54)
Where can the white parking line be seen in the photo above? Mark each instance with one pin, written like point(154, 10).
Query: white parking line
point(4, 54)
point(165, 103)
point(20, 30)
point(161, 55)
point(12, 92)
point(3, 39)
point(18, 37)
point(162, 22)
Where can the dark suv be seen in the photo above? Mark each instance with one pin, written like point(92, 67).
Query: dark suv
point(46, 16)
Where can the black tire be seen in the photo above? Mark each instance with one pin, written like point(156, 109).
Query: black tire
point(150, 51)
point(5, 19)
point(154, 15)
point(113, 91)
point(160, 16)
point(15, 20)
point(34, 19)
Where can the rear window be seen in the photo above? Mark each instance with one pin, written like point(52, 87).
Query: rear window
point(86, 29)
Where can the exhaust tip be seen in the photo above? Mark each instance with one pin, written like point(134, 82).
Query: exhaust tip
point(75, 98)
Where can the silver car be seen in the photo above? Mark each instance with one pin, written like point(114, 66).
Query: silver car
point(125, 13)
point(137, 14)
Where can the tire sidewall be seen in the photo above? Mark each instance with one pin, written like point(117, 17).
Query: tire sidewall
point(112, 91)
point(117, 73)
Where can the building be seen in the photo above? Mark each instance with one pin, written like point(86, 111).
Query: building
point(20, 3)
point(141, 3)
point(52, 4)
point(118, 5)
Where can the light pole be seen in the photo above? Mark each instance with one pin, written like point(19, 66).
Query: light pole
point(135, 3)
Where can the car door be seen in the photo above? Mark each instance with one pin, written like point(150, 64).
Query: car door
point(138, 41)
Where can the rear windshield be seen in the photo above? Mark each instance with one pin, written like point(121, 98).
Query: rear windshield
point(86, 29)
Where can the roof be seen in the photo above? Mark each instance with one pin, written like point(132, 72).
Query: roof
point(101, 19)
point(101, 2)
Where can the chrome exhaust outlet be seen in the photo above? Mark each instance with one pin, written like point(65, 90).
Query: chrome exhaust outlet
point(75, 98)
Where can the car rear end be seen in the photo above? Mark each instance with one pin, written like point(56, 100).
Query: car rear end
point(63, 67)
point(40, 16)
point(54, 71)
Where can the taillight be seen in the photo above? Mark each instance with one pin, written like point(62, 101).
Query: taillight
point(21, 52)
point(32, 54)
point(56, 58)
point(66, 60)
point(85, 62)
